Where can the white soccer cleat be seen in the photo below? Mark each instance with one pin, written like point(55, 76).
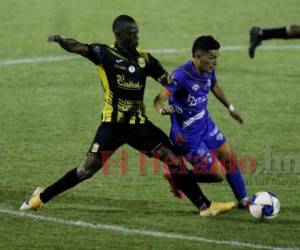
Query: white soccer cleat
point(34, 202)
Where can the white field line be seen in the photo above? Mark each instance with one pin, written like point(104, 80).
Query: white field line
point(154, 51)
point(156, 234)
point(37, 60)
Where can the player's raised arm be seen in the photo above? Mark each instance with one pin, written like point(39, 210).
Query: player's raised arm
point(159, 103)
point(70, 44)
point(219, 93)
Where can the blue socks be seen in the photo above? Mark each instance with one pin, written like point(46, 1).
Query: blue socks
point(236, 182)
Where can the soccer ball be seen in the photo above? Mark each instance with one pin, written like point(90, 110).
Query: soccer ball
point(264, 205)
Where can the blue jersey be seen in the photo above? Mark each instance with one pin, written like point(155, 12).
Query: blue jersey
point(191, 123)
point(190, 89)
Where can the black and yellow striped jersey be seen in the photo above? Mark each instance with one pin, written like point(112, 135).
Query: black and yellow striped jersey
point(123, 77)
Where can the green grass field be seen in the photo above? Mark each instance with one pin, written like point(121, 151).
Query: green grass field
point(49, 112)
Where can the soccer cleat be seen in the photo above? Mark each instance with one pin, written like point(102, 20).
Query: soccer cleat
point(217, 208)
point(255, 40)
point(243, 203)
point(174, 189)
point(34, 202)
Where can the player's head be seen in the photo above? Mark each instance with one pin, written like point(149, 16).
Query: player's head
point(126, 32)
point(205, 53)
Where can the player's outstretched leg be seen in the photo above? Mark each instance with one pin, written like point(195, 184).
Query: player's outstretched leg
point(255, 40)
point(69, 180)
point(186, 182)
point(34, 202)
point(182, 178)
point(206, 169)
point(235, 179)
point(257, 35)
point(233, 174)
point(213, 209)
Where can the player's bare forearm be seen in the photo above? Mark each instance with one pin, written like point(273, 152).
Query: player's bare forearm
point(220, 95)
point(69, 44)
point(159, 103)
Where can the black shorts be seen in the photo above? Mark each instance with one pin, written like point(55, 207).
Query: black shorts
point(143, 137)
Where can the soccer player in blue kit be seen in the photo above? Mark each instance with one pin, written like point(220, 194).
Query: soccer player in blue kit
point(193, 132)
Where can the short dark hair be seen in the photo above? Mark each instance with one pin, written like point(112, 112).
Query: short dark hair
point(205, 43)
point(120, 20)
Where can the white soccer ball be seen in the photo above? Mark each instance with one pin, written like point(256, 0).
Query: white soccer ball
point(264, 205)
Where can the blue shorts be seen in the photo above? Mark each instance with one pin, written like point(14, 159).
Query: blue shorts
point(197, 144)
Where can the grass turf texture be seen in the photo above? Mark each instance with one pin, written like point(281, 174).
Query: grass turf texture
point(50, 111)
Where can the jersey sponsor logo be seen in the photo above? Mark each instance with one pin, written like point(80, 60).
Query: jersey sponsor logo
point(128, 85)
point(141, 62)
point(193, 101)
point(130, 106)
point(120, 67)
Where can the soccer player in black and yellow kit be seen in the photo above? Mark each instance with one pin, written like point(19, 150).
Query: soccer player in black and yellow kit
point(123, 70)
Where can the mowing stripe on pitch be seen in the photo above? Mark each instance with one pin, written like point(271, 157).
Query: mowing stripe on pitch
point(154, 51)
point(125, 230)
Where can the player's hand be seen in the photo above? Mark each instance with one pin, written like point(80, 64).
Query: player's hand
point(235, 115)
point(55, 38)
point(166, 110)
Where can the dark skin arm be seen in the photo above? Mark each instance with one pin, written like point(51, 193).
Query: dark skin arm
point(219, 94)
point(70, 44)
